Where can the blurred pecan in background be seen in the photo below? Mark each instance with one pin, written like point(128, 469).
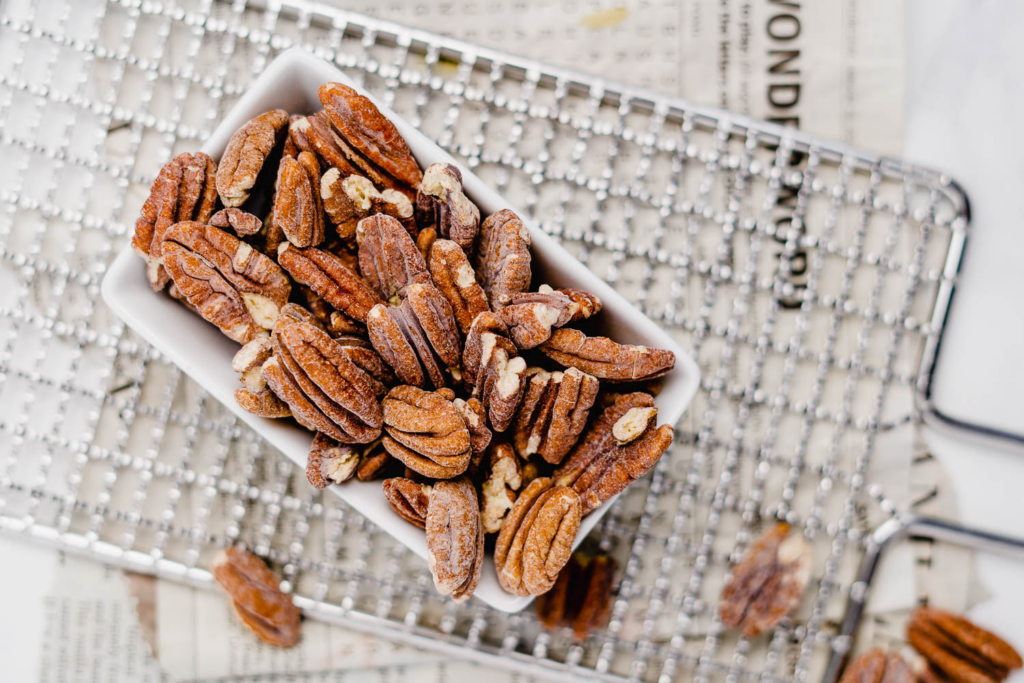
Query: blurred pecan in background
point(256, 597)
point(409, 499)
point(455, 539)
point(184, 190)
point(426, 432)
point(606, 359)
point(388, 257)
point(247, 151)
point(455, 279)
point(553, 412)
point(875, 666)
point(442, 205)
point(503, 257)
point(960, 650)
point(768, 582)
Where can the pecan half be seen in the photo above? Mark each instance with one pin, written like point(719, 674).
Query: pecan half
point(425, 241)
point(326, 391)
point(332, 150)
point(348, 200)
point(298, 210)
point(388, 258)
point(409, 499)
point(606, 359)
point(531, 316)
point(182, 191)
point(595, 602)
point(256, 597)
point(442, 205)
point(326, 275)
point(503, 257)
point(536, 537)
point(960, 649)
point(426, 432)
point(330, 462)
point(298, 140)
point(374, 462)
point(875, 666)
point(335, 322)
point(492, 370)
point(455, 279)
point(768, 582)
point(380, 148)
point(229, 283)
point(455, 538)
point(418, 339)
point(553, 413)
point(503, 478)
point(242, 223)
point(360, 352)
point(255, 396)
point(247, 151)
point(473, 413)
point(598, 440)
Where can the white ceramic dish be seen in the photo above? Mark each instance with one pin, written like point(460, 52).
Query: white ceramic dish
point(290, 82)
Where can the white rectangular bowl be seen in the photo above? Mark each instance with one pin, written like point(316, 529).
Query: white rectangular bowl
point(290, 82)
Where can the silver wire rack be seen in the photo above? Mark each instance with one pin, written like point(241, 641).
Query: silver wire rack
point(808, 279)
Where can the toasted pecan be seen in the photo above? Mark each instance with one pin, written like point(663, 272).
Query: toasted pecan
point(426, 432)
point(606, 359)
point(553, 412)
point(455, 538)
point(442, 205)
point(247, 151)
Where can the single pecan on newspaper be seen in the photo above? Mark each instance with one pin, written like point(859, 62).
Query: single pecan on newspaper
point(326, 391)
point(255, 396)
point(348, 200)
point(492, 370)
point(426, 432)
point(503, 257)
point(298, 139)
point(606, 359)
point(419, 339)
point(581, 597)
point(598, 439)
point(388, 258)
point(246, 155)
point(184, 190)
point(374, 144)
point(243, 224)
point(472, 411)
point(298, 209)
point(455, 538)
point(330, 462)
point(229, 283)
point(875, 666)
point(502, 478)
point(455, 279)
point(531, 316)
point(256, 597)
point(409, 499)
point(442, 205)
point(959, 649)
point(768, 582)
point(536, 537)
point(326, 275)
point(553, 413)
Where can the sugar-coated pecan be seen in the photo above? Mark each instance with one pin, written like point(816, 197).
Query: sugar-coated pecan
point(503, 257)
point(245, 156)
point(553, 412)
point(418, 339)
point(442, 205)
point(184, 190)
point(326, 275)
point(606, 359)
point(426, 432)
point(229, 283)
point(243, 224)
point(473, 413)
point(425, 241)
point(768, 582)
point(348, 200)
point(298, 140)
point(330, 462)
point(297, 205)
point(531, 316)
point(455, 538)
point(620, 466)
point(598, 439)
point(875, 666)
point(256, 597)
point(455, 279)
point(536, 537)
point(325, 390)
point(502, 478)
point(409, 499)
point(255, 396)
point(374, 137)
point(492, 370)
point(960, 649)
point(388, 258)
point(360, 352)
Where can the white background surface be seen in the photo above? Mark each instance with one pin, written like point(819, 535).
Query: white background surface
point(963, 112)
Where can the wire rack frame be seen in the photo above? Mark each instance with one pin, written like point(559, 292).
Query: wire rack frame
point(807, 278)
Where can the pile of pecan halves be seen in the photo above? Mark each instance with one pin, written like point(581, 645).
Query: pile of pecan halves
point(378, 310)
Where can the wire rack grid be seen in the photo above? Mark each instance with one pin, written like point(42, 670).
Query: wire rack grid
point(804, 277)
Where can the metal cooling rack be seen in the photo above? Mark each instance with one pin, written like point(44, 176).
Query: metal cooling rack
point(806, 278)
